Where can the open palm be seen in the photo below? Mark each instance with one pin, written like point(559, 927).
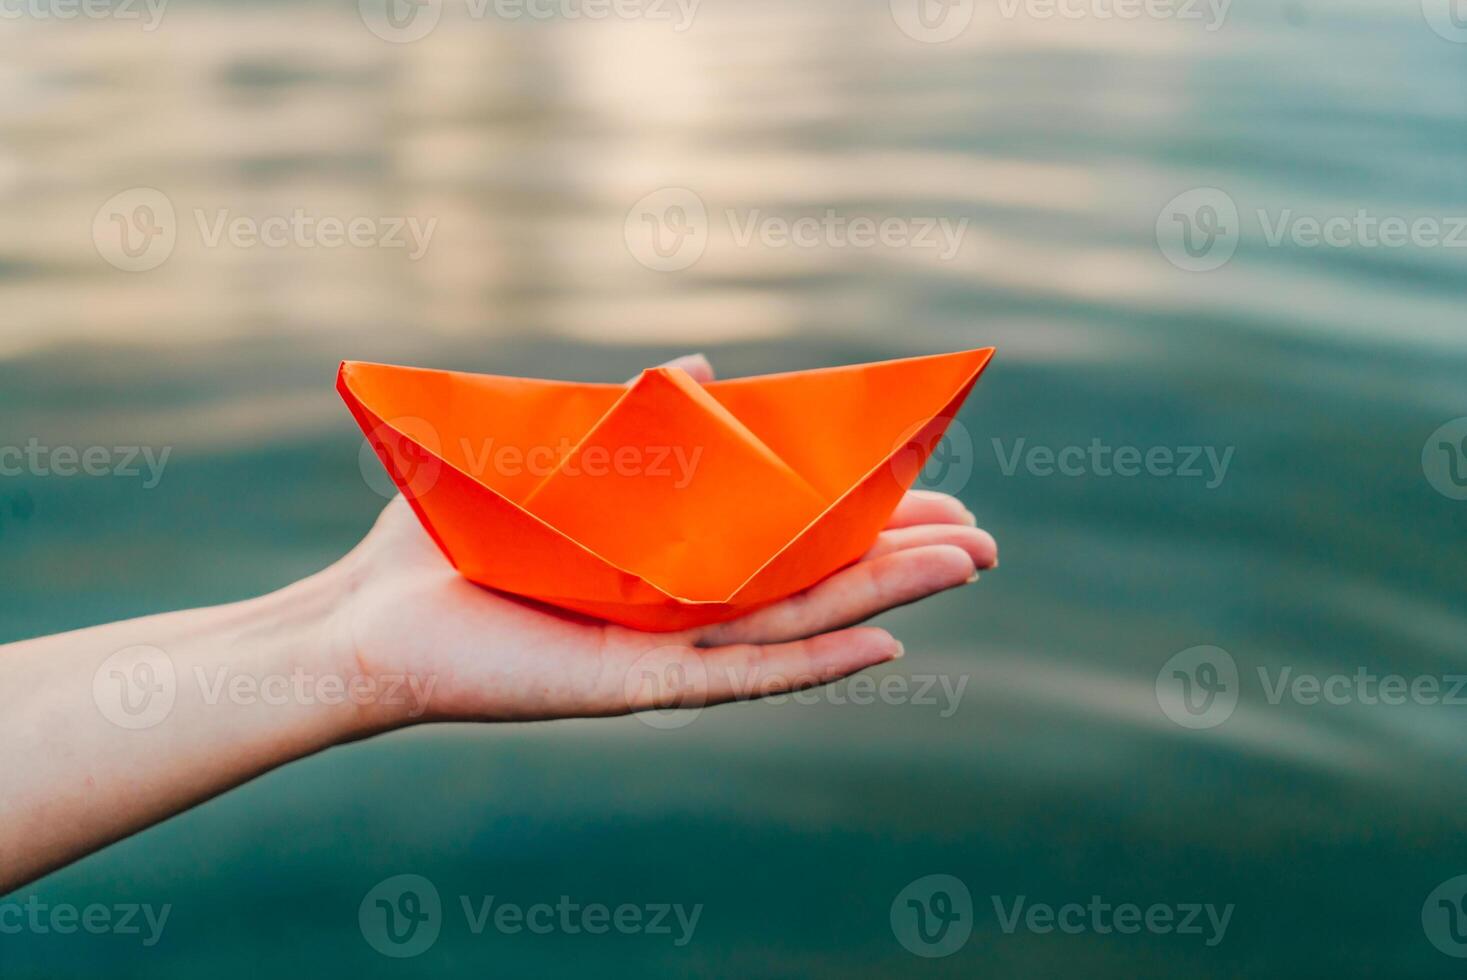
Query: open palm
point(493, 657)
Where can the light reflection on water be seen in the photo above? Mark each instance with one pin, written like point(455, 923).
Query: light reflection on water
point(1058, 141)
point(1059, 144)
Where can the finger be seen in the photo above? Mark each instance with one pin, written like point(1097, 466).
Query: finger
point(850, 596)
point(689, 678)
point(928, 507)
point(978, 543)
point(696, 365)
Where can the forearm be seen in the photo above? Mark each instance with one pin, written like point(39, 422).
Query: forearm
point(108, 730)
point(100, 744)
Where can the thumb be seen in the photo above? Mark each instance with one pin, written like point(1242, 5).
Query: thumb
point(696, 365)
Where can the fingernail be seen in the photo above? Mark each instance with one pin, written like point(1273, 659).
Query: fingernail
point(901, 651)
point(968, 516)
point(995, 563)
point(972, 578)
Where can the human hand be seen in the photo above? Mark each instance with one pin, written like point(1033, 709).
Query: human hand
point(494, 657)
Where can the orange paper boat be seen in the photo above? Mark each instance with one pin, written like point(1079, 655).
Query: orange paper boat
point(661, 504)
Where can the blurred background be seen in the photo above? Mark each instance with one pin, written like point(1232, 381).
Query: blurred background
point(1198, 226)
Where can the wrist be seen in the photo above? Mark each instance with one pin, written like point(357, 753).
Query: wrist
point(314, 641)
point(342, 616)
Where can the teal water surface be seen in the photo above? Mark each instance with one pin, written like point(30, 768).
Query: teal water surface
point(1043, 765)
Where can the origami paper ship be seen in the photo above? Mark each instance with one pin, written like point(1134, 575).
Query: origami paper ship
point(661, 504)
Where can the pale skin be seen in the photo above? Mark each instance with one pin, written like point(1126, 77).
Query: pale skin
point(393, 622)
